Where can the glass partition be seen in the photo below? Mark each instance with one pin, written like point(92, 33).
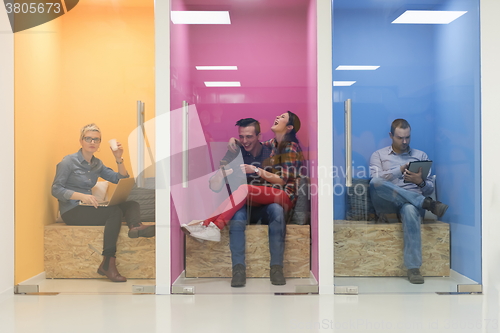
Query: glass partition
point(90, 65)
point(259, 63)
point(420, 63)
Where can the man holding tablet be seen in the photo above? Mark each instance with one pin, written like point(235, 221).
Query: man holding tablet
point(396, 189)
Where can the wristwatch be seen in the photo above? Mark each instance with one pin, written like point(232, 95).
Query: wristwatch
point(422, 184)
point(256, 170)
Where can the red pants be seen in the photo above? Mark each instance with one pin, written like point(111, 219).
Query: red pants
point(256, 196)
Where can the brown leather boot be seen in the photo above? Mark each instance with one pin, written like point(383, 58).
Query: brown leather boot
point(108, 268)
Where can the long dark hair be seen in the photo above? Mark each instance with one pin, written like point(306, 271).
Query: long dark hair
point(291, 136)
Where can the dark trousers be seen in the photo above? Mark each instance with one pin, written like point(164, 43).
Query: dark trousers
point(110, 217)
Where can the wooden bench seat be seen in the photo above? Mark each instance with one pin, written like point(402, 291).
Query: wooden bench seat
point(376, 249)
point(213, 259)
point(74, 252)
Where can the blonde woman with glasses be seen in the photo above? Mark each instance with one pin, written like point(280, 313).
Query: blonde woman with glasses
point(76, 175)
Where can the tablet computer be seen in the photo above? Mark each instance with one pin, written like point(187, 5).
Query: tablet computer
point(425, 165)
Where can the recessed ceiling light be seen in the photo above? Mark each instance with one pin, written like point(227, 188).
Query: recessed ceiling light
point(216, 68)
point(222, 84)
point(356, 68)
point(428, 17)
point(200, 17)
point(343, 83)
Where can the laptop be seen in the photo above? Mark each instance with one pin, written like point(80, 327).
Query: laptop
point(120, 194)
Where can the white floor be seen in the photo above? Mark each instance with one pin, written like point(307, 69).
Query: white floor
point(253, 286)
point(377, 285)
point(366, 285)
point(427, 312)
point(90, 286)
point(102, 306)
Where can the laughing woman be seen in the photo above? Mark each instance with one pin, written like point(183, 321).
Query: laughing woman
point(275, 186)
point(75, 176)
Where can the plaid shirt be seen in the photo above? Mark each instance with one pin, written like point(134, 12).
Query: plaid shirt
point(286, 165)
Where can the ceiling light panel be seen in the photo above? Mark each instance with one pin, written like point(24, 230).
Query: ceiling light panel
point(428, 17)
point(216, 68)
point(343, 83)
point(200, 17)
point(356, 68)
point(222, 84)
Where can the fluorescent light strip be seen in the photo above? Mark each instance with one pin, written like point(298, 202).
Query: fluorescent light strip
point(343, 83)
point(216, 68)
point(356, 68)
point(428, 17)
point(200, 17)
point(222, 84)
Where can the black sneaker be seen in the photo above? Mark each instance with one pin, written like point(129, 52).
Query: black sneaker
point(276, 275)
point(414, 276)
point(435, 207)
point(239, 276)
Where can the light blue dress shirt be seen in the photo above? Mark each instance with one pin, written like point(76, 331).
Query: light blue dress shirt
point(385, 163)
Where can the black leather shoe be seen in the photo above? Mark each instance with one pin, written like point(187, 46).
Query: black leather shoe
point(276, 275)
point(414, 276)
point(239, 276)
point(435, 207)
point(141, 230)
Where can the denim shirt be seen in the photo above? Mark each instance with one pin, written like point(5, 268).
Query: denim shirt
point(75, 174)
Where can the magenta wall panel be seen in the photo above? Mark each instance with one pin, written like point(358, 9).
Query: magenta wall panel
point(273, 44)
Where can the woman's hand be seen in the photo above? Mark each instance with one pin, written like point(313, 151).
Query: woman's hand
point(119, 160)
point(89, 200)
point(119, 152)
point(247, 168)
point(233, 145)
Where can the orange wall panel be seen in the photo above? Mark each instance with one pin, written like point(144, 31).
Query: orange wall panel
point(37, 82)
point(108, 65)
point(90, 65)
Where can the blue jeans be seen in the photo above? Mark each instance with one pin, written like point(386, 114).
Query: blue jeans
point(272, 215)
point(388, 198)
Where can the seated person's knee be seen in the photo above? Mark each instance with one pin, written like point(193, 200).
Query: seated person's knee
point(376, 181)
point(275, 209)
point(409, 209)
point(133, 205)
point(239, 220)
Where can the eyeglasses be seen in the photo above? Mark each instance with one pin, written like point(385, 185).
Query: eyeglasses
point(89, 139)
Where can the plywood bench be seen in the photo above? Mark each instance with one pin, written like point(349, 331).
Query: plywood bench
point(376, 249)
point(74, 252)
point(213, 259)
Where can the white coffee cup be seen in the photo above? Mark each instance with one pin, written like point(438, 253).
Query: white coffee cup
point(113, 144)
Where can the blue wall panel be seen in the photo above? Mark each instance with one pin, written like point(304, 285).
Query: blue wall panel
point(429, 75)
point(458, 135)
point(401, 88)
